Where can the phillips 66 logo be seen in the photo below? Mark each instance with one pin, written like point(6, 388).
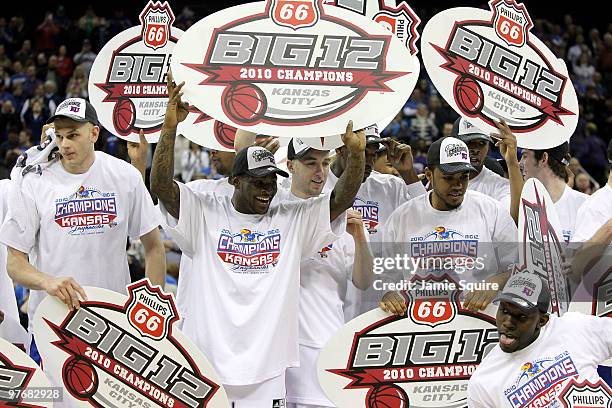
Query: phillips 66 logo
point(127, 83)
point(489, 66)
point(294, 13)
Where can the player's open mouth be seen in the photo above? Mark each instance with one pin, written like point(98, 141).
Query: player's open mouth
point(317, 181)
point(506, 339)
point(459, 194)
point(263, 200)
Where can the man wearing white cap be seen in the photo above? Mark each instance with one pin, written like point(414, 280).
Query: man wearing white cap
point(469, 228)
point(538, 354)
point(484, 180)
point(73, 212)
point(324, 276)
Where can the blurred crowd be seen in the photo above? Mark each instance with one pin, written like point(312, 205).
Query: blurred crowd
point(43, 62)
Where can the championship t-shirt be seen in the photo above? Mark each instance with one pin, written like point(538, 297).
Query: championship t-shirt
point(324, 277)
point(221, 187)
point(567, 208)
point(248, 279)
point(594, 212)
point(378, 197)
point(471, 242)
point(77, 224)
point(567, 347)
point(492, 184)
point(8, 301)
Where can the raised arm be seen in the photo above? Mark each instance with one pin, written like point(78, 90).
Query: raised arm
point(162, 169)
point(346, 189)
point(508, 148)
point(400, 157)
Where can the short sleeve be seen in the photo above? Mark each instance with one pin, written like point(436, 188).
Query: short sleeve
point(185, 230)
point(317, 229)
point(20, 227)
point(143, 217)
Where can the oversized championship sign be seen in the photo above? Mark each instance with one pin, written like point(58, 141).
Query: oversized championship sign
point(22, 382)
point(293, 67)
point(489, 66)
point(423, 359)
point(127, 83)
point(540, 242)
point(124, 351)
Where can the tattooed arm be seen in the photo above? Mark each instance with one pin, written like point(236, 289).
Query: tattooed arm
point(349, 182)
point(162, 170)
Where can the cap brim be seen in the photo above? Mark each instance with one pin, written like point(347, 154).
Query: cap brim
point(452, 168)
point(71, 117)
point(515, 300)
point(264, 171)
point(474, 136)
point(373, 139)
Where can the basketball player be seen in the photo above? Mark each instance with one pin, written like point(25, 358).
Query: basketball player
point(248, 254)
point(484, 180)
point(74, 213)
point(537, 353)
point(550, 167)
point(479, 224)
point(324, 276)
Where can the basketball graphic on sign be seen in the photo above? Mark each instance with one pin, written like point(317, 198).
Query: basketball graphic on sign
point(387, 396)
point(124, 115)
point(225, 134)
point(80, 378)
point(244, 103)
point(468, 95)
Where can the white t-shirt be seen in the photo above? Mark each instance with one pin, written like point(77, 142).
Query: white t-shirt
point(324, 277)
point(567, 208)
point(78, 224)
point(492, 184)
point(480, 228)
point(594, 212)
point(8, 302)
point(567, 346)
point(220, 187)
point(248, 285)
point(378, 197)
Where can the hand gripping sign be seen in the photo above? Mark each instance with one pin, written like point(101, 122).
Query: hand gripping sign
point(489, 66)
point(127, 83)
point(289, 67)
point(540, 242)
point(423, 359)
point(120, 351)
point(22, 382)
